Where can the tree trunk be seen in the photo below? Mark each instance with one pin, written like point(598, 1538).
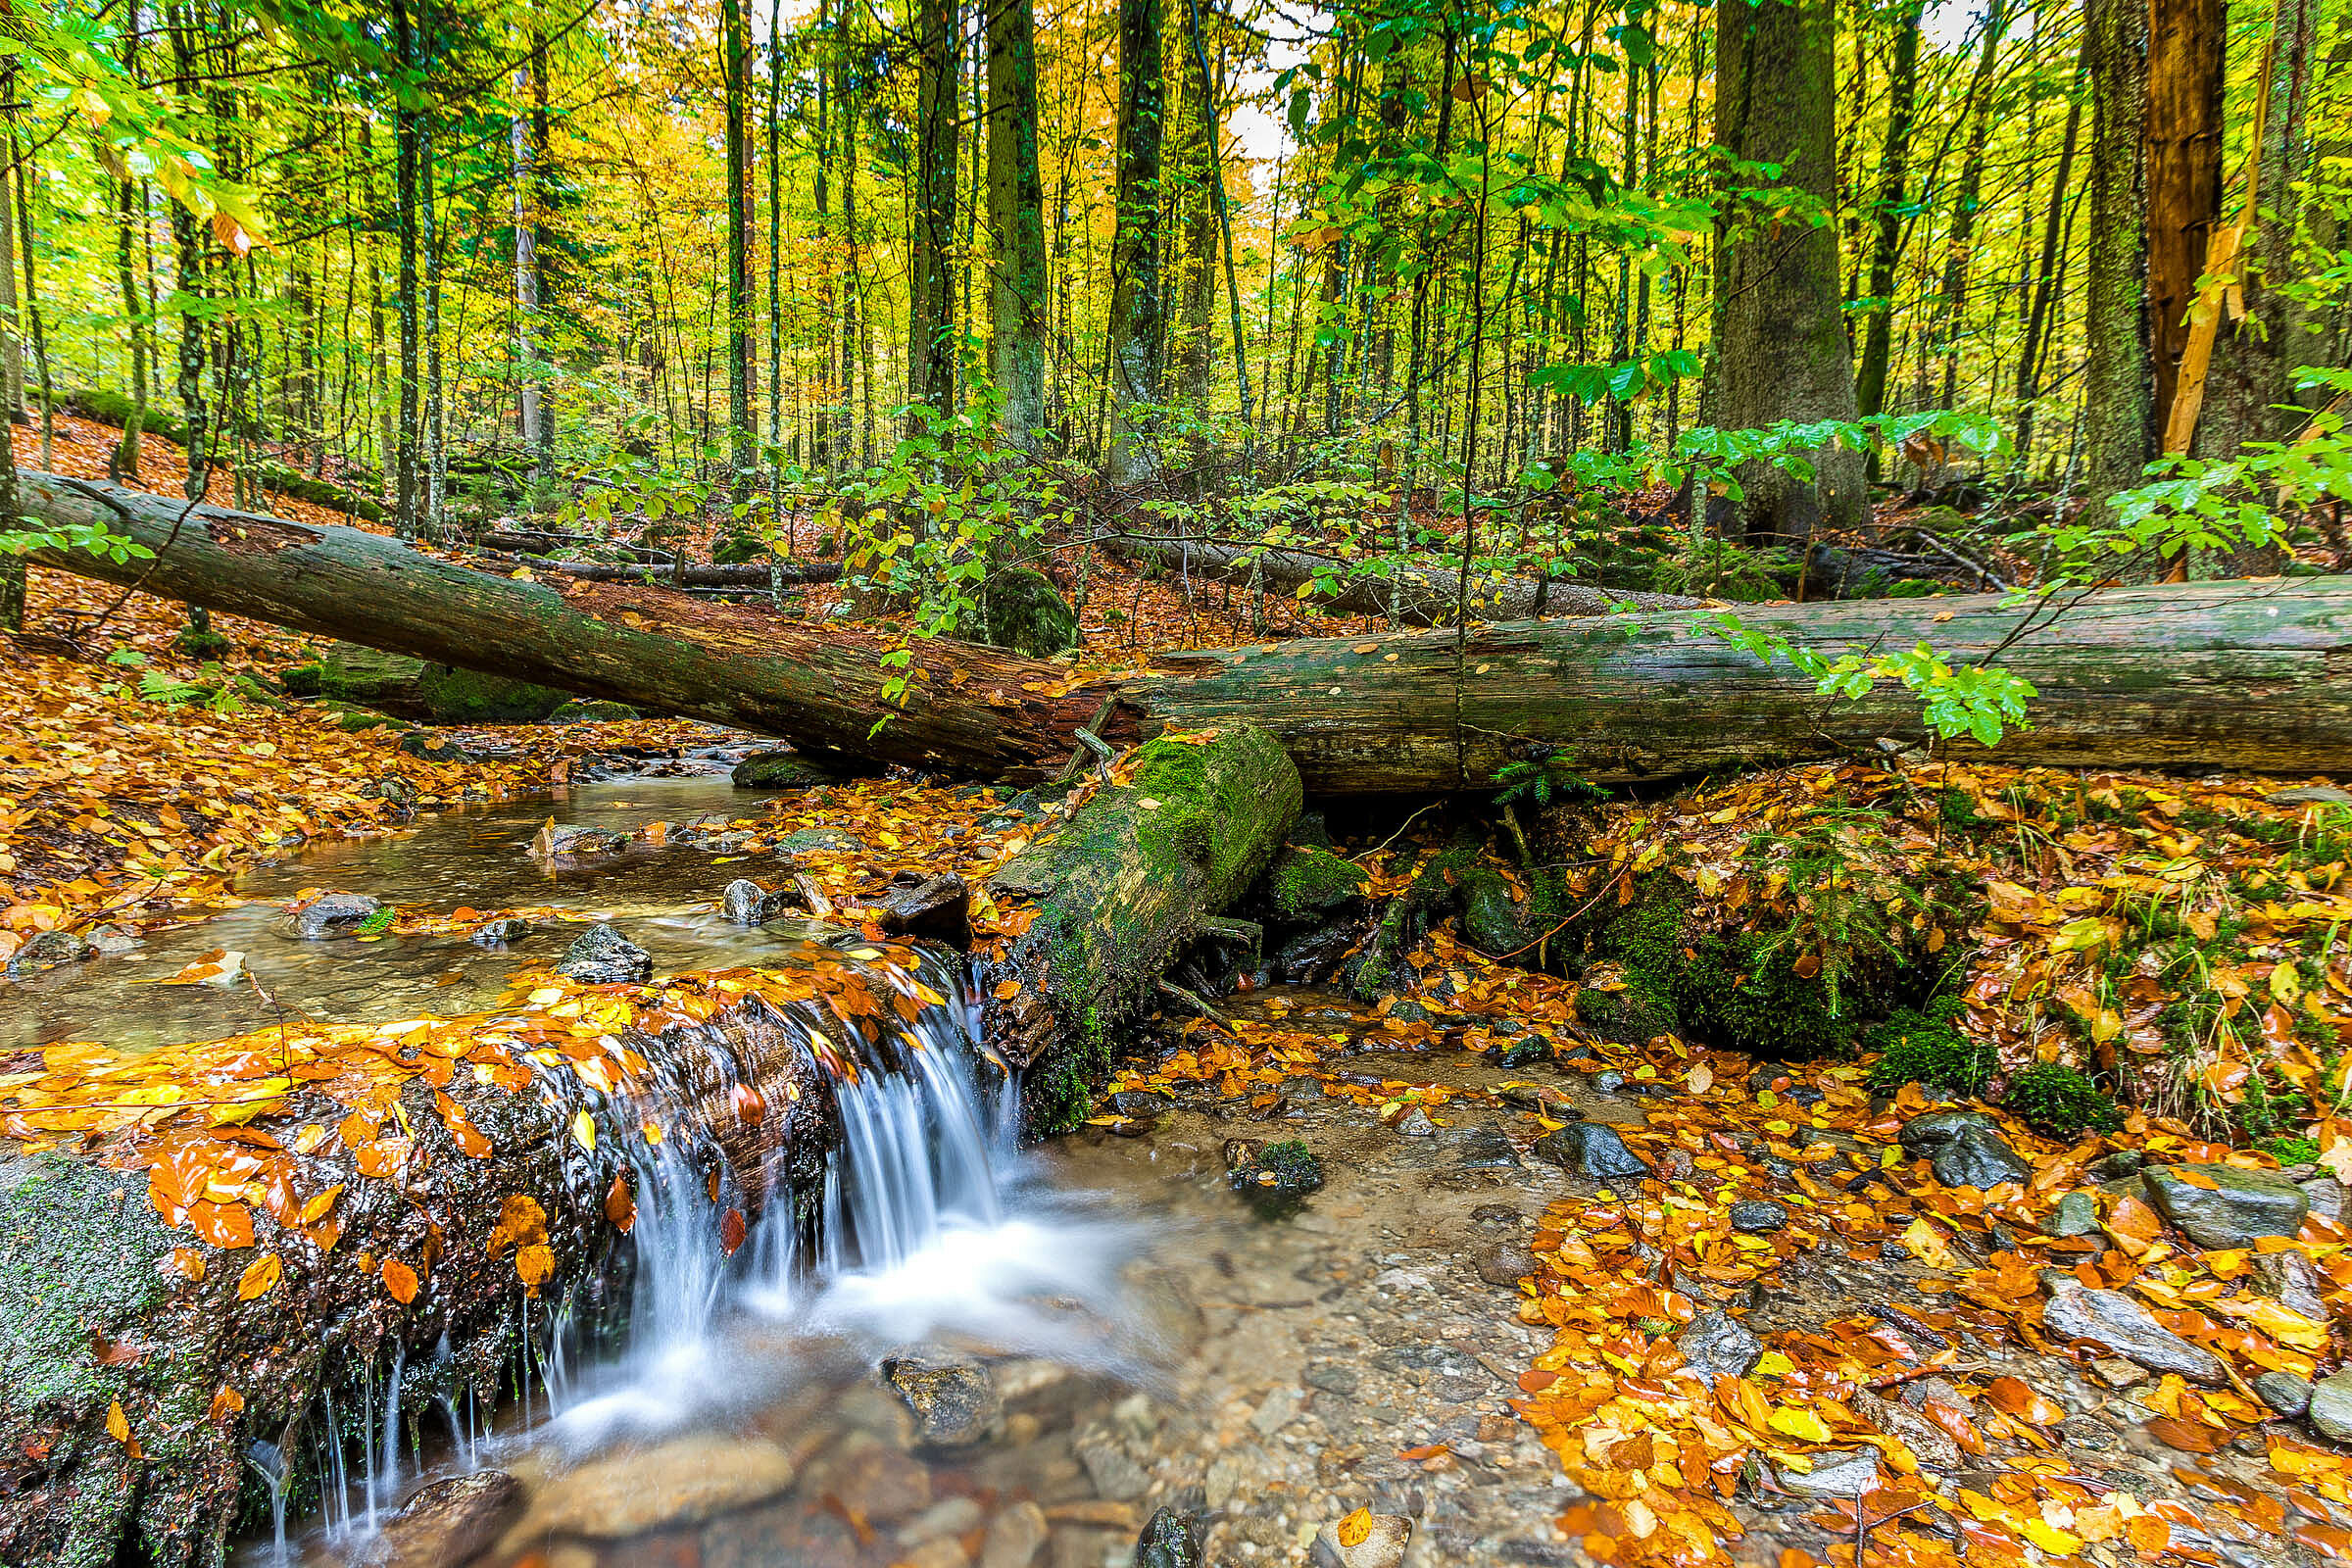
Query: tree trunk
point(930, 268)
point(2209, 674)
point(736, 70)
point(1138, 303)
point(2119, 432)
point(1895, 175)
point(1951, 294)
point(1016, 214)
point(1118, 895)
point(527, 276)
point(2046, 272)
point(1781, 349)
point(2188, 51)
point(403, 456)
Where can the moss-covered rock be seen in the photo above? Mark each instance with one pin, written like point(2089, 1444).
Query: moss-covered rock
point(1306, 886)
point(2060, 1101)
point(1927, 1045)
point(1021, 608)
point(783, 770)
point(589, 711)
point(411, 688)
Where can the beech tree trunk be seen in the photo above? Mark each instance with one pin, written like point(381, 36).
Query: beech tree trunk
point(2244, 676)
point(1138, 305)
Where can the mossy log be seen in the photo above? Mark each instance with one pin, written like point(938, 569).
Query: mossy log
point(2248, 677)
point(412, 688)
point(1116, 893)
point(98, 1311)
point(1411, 596)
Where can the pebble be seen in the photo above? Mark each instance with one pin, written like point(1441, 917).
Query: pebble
point(1014, 1536)
point(1758, 1216)
point(954, 1403)
point(683, 1480)
point(1836, 1473)
point(1383, 1547)
point(2285, 1393)
point(949, 1517)
point(1506, 1263)
point(1415, 1123)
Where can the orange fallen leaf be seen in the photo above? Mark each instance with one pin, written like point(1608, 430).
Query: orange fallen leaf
point(259, 1277)
point(1355, 1529)
point(400, 1280)
point(621, 1204)
point(226, 1401)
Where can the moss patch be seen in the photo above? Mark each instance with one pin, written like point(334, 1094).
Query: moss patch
point(1307, 885)
point(2060, 1101)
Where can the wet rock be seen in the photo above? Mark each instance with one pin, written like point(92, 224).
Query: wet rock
point(2118, 1373)
point(2226, 1206)
point(2285, 1393)
point(781, 770)
point(1276, 1178)
point(876, 1481)
point(1836, 1473)
point(787, 1531)
point(331, 914)
point(1114, 1473)
point(934, 907)
point(954, 1403)
point(1965, 1148)
point(448, 1522)
point(2078, 1215)
point(2117, 1322)
point(504, 932)
point(1484, 1148)
point(1506, 1263)
point(46, 950)
point(746, 902)
point(1277, 1409)
point(2114, 1167)
point(1415, 1123)
point(1313, 957)
point(683, 1480)
point(569, 841)
point(1929, 1443)
point(1142, 1103)
point(2310, 794)
point(1014, 1536)
point(819, 841)
point(1383, 1547)
point(943, 1520)
point(1526, 1054)
point(1497, 1217)
point(2292, 1281)
point(109, 941)
point(1535, 1097)
point(1758, 1216)
point(1597, 1152)
point(1607, 1081)
point(2331, 1407)
point(602, 956)
point(1172, 1540)
point(2327, 1196)
point(589, 711)
point(424, 746)
point(1717, 1344)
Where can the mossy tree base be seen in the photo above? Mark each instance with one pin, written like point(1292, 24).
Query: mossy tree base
point(1119, 894)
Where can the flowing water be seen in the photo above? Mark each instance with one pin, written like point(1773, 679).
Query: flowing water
point(1143, 1344)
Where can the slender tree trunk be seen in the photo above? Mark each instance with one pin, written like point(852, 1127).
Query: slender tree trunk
point(1781, 349)
point(27, 171)
point(820, 446)
point(2046, 271)
point(1224, 217)
point(406, 510)
point(2187, 60)
point(1894, 177)
point(931, 237)
point(1016, 217)
point(735, 71)
point(190, 289)
point(1951, 295)
point(544, 461)
point(527, 274)
point(2119, 432)
point(1137, 301)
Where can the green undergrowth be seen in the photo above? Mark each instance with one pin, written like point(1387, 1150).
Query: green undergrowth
point(2060, 1101)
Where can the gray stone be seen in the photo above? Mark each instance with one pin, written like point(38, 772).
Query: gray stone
point(1484, 1148)
point(819, 841)
point(2327, 1196)
point(108, 941)
point(954, 1403)
point(1275, 1411)
point(1506, 1263)
point(1966, 1149)
point(1415, 1123)
point(2226, 1206)
point(1758, 1216)
point(503, 932)
point(2292, 1281)
point(46, 950)
point(2117, 1322)
point(1172, 1540)
point(569, 841)
point(1525, 1053)
point(1115, 1475)
point(1589, 1150)
point(1383, 1548)
point(1929, 1443)
point(2078, 1214)
point(1717, 1345)
point(602, 957)
point(1836, 1473)
point(2310, 794)
point(942, 1520)
point(2285, 1393)
point(448, 1522)
point(331, 914)
point(746, 902)
point(2331, 1407)
point(1014, 1536)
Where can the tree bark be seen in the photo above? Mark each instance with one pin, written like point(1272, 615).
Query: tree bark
point(1781, 349)
point(2187, 53)
point(930, 267)
point(1016, 199)
point(1138, 301)
point(2248, 677)
point(1894, 176)
point(736, 70)
point(2119, 432)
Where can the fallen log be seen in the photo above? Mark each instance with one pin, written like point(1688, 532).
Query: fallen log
point(2252, 676)
point(1115, 894)
point(693, 574)
point(1411, 596)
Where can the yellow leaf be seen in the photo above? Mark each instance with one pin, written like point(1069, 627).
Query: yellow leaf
point(1929, 1245)
point(117, 1425)
point(1800, 1423)
point(259, 1277)
point(583, 1128)
point(2285, 984)
point(1354, 1530)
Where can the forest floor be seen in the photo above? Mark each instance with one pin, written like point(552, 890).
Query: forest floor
point(1518, 1335)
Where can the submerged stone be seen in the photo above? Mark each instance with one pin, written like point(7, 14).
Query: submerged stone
point(1171, 1540)
point(331, 914)
point(448, 1522)
point(1717, 1344)
point(953, 1402)
point(1591, 1150)
point(46, 950)
point(1383, 1547)
point(683, 1480)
